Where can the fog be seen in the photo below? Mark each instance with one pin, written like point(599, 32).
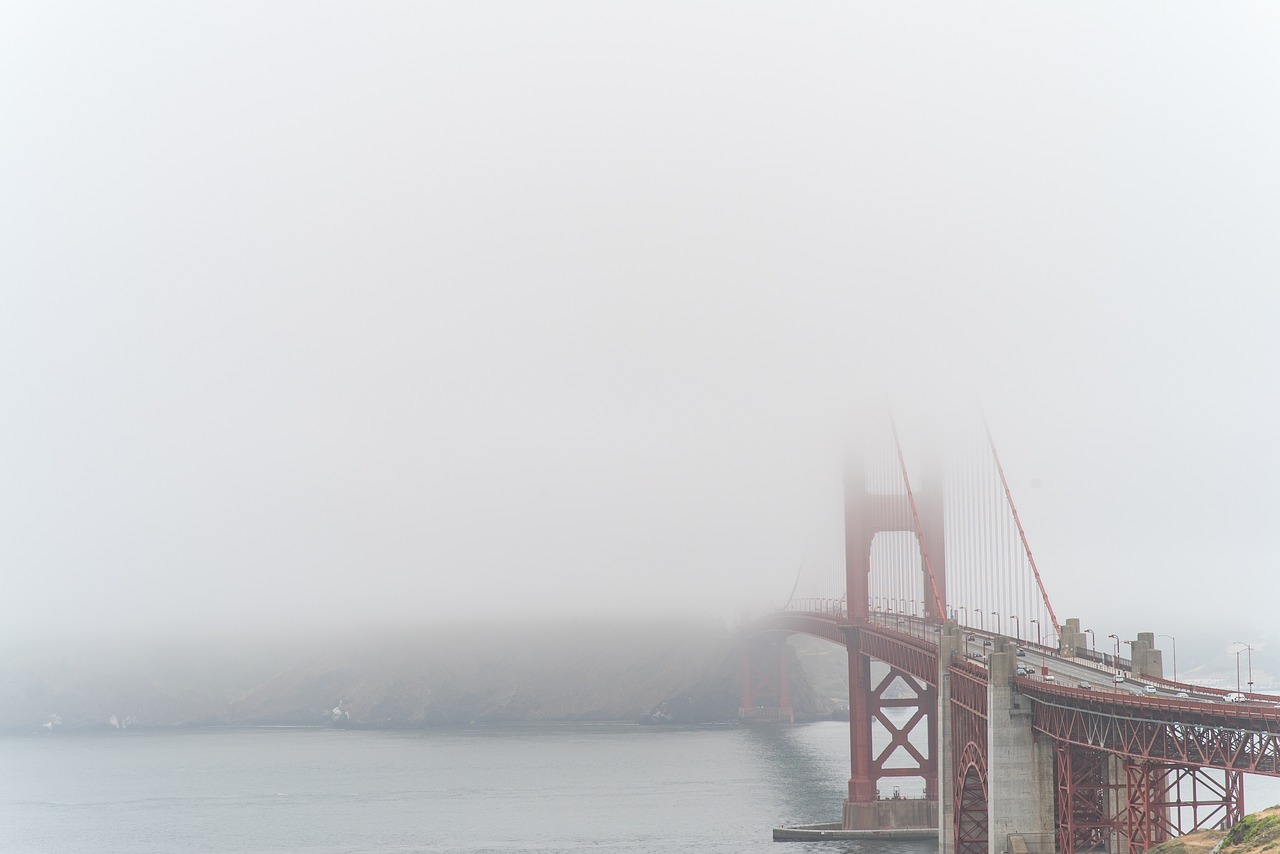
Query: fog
point(320, 315)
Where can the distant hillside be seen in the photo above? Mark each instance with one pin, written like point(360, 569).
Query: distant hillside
point(687, 671)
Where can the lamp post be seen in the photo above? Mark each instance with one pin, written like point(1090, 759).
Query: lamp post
point(996, 614)
point(966, 614)
point(1174, 641)
point(1017, 627)
point(1115, 663)
point(1243, 647)
point(1093, 637)
point(1044, 668)
point(978, 613)
point(1037, 622)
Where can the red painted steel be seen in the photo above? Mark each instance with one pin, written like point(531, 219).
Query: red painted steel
point(969, 756)
point(865, 516)
point(923, 705)
point(1164, 751)
point(1155, 803)
point(939, 609)
point(1201, 735)
point(862, 781)
point(1083, 799)
point(911, 655)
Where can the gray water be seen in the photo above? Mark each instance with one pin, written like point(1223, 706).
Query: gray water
point(563, 788)
point(571, 788)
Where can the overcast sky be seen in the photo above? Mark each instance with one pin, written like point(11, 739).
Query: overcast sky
point(315, 314)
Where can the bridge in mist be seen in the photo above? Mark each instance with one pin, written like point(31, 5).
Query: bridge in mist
point(1024, 732)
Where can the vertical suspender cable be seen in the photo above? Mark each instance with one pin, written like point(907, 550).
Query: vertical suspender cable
point(1021, 533)
point(915, 516)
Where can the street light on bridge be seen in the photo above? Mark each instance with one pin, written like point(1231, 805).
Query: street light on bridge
point(1243, 647)
point(1044, 668)
point(966, 614)
point(1017, 627)
point(1174, 641)
point(977, 612)
point(1116, 661)
point(996, 614)
point(1094, 638)
point(1037, 622)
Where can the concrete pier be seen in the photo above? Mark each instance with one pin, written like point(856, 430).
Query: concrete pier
point(834, 831)
point(950, 642)
point(1020, 767)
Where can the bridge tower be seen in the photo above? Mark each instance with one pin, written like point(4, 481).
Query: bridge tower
point(867, 514)
point(766, 686)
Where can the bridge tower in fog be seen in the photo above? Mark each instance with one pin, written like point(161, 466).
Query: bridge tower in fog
point(880, 505)
point(1023, 737)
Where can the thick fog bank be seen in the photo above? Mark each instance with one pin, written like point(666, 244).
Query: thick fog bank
point(496, 672)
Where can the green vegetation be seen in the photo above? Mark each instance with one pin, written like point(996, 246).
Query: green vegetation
point(1258, 831)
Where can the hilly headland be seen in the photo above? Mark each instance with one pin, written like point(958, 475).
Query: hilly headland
point(672, 672)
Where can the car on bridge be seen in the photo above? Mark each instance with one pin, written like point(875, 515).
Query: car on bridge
point(1150, 689)
point(1084, 683)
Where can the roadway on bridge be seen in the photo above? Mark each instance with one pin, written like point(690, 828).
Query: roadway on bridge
point(1045, 664)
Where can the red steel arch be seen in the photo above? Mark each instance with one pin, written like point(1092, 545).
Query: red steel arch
point(969, 756)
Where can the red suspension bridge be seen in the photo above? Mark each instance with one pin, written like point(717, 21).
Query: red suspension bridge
point(1023, 737)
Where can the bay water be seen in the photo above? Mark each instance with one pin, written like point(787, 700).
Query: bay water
point(549, 788)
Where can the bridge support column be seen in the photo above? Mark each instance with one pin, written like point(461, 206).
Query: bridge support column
point(1020, 767)
point(766, 690)
point(862, 786)
point(949, 644)
point(746, 708)
point(785, 712)
point(1118, 799)
point(873, 702)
